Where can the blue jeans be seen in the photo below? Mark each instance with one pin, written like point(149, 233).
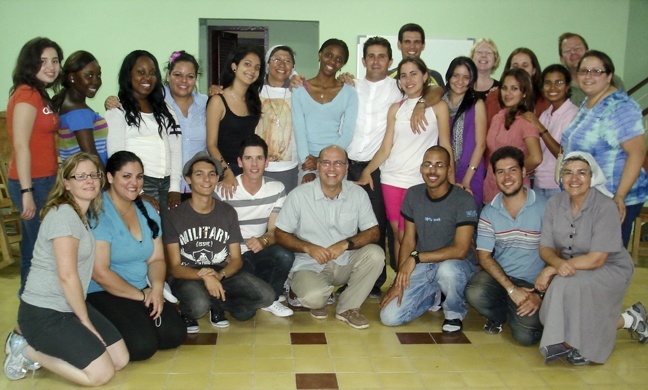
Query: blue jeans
point(42, 187)
point(158, 189)
point(547, 192)
point(271, 265)
point(449, 277)
point(244, 294)
point(490, 299)
point(626, 227)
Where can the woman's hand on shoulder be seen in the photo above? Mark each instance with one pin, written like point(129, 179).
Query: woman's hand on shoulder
point(347, 78)
point(296, 81)
point(112, 102)
point(174, 199)
point(533, 119)
point(215, 90)
point(227, 187)
point(620, 202)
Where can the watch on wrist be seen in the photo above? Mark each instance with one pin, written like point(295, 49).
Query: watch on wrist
point(351, 244)
point(415, 255)
point(422, 100)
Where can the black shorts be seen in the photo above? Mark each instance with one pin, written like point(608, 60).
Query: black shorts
point(62, 335)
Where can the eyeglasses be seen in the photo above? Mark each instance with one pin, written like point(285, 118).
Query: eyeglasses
point(337, 164)
point(575, 50)
point(438, 165)
point(593, 72)
point(83, 176)
point(580, 173)
point(557, 83)
point(277, 60)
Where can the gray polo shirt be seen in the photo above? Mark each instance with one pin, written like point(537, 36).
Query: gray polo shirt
point(312, 217)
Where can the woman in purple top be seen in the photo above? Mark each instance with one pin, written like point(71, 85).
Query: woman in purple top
point(467, 126)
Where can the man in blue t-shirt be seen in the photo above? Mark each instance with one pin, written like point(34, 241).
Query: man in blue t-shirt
point(508, 242)
point(436, 253)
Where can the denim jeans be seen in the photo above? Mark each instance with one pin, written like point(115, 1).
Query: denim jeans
point(244, 294)
point(547, 192)
point(42, 187)
point(626, 227)
point(271, 265)
point(490, 299)
point(449, 277)
point(158, 189)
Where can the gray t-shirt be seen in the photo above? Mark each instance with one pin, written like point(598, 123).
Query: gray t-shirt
point(43, 288)
point(437, 220)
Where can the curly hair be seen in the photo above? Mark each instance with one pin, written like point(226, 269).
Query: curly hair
point(59, 195)
point(131, 107)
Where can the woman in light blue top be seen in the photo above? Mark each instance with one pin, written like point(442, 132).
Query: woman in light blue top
point(324, 112)
point(190, 106)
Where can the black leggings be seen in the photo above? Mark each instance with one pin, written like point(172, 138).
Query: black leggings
point(141, 335)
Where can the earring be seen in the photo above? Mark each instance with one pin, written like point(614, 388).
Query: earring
point(72, 81)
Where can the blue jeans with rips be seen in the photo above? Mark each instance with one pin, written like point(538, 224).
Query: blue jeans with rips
point(244, 294)
point(491, 300)
point(428, 279)
point(271, 265)
point(42, 187)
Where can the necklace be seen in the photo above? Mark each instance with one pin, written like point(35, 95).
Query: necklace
point(234, 96)
point(123, 213)
point(322, 96)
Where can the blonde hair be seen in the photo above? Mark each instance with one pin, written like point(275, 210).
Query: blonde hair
point(493, 47)
point(59, 195)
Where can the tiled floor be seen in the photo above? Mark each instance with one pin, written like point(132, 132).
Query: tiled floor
point(303, 353)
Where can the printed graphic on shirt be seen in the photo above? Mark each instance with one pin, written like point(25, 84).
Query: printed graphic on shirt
point(205, 245)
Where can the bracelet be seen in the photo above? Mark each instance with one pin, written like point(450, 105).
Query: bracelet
point(143, 296)
point(511, 290)
point(223, 273)
point(543, 132)
point(265, 240)
point(26, 190)
point(474, 168)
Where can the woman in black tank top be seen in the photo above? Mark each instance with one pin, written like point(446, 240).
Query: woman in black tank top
point(233, 116)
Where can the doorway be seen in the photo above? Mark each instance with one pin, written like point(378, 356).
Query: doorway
point(223, 39)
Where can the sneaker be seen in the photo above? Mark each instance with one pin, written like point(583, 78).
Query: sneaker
point(452, 326)
point(493, 327)
point(639, 328)
point(292, 299)
point(191, 324)
point(576, 359)
point(32, 366)
point(218, 319)
point(436, 306)
point(554, 352)
point(375, 293)
point(319, 314)
point(281, 299)
point(278, 309)
point(353, 318)
point(331, 299)
point(15, 364)
point(166, 292)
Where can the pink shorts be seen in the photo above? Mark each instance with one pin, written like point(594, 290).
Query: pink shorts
point(394, 197)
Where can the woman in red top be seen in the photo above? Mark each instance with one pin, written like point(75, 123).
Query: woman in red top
point(33, 126)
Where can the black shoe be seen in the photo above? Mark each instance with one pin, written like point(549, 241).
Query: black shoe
point(375, 293)
point(452, 326)
point(493, 327)
point(218, 319)
point(576, 359)
point(191, 324)
point(554, 352)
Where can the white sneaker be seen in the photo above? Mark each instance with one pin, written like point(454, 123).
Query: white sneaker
point(278, 309)
point(282, 298)
point(331, 299)
point(436, 306)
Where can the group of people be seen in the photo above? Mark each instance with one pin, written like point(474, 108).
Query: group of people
point(280, 184)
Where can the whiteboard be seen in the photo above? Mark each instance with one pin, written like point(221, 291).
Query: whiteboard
point(438, 53)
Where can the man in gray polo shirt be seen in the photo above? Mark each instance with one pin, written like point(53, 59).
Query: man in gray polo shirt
point(331, 227)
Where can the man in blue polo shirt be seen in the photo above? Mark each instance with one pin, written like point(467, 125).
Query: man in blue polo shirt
point(508, 242)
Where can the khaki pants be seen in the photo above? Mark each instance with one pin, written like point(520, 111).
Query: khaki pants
point(365, 265)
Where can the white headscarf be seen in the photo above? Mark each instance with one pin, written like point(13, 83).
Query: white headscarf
point(598, 178)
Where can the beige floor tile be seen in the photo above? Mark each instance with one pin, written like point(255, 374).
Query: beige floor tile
point(307, 365)
point(360, 380)
point(342, 351)
point(272, 351)
point(470, 363)
point(242, 338)
point(311, 351)
point(274, 381)
point(423, 350)
point(234, 352)
point(400, 381)
point(233, 365)
point(442, 380)
point(517, 379)
point(483, 379)
point(188, 381)
point(384, 365)
point(151, 366)
point(273, 365)
point(427, 365)
point(231, 381)
point(358, 364)
point(272, 338)
point(145, 381)
point(561, 377)
point(192, 366)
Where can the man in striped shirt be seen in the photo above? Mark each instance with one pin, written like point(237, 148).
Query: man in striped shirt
point(257, 202)
point(508, 242)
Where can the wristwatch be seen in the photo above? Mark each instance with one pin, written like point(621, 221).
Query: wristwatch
point(351, 244)
point(415, 255)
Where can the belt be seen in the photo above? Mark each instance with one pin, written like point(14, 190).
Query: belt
point(359, 163)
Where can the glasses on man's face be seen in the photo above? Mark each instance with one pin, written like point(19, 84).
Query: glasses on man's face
point(575, 50)
point(594, 72)
point(328, 163)
point(437, 165)
point(83, 176)
point(278, 60)
point(580, 173)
